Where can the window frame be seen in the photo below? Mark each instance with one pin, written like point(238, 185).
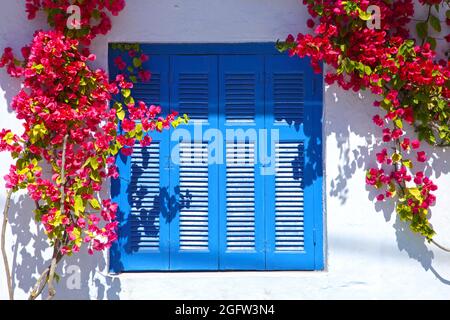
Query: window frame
point(265, 48)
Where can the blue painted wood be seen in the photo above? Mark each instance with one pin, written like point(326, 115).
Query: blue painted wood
point(241, 205)
point(193, 182)
point(315, 130)
point(288, 204)
point(266, 48)
point(143, 187)
point(293, 106)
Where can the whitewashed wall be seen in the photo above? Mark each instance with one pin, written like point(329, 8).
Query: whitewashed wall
point(369, 253)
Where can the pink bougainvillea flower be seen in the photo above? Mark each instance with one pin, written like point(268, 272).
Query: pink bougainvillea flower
point(127, 151)
point(415, 144)
point(128, 125)
point(421, 156)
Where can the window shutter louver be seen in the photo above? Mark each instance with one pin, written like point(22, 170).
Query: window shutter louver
point(194, 208)
point(241, 108)
point(142, 189)
point(288, 91)
point(194, 228)
point(255, 210)
point(289, 199)
point(149, 92)
point(290, 196)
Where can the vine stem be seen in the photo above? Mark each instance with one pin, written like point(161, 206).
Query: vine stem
point(39, 286)
point(48, 275)
point(3, 241)
point(440, 246)
point(51, 276)
point(51, 272)
point(40, 283)
point(426, 21)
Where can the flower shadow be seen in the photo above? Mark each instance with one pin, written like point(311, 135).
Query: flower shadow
point(349, 130)
point(82, 276)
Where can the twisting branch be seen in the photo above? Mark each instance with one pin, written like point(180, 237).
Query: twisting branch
point(440, 246)
point(48, 275)
point(40, 285)
point(4, 254)
point(51, 288)
point(42, 281)
point(426, 21)
point(51, 274)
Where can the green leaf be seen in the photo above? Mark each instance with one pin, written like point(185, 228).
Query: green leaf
point(96, 15)
point(432, 42)
point(38, 68)
point(139, 132)
point(121, 114)
point(114, 149)
point(94, 204)
point(94, 163)
point(396, 157)
point(422, 29)
point(95, 176)
point(363, 15)
point(447, 14)
point(399, 123)
point(404, 211)
point(79, 205)
point(435, 23)
point(415, 192)
point(282, 46)
point(129, 101)
point(137, 63)
point(409, 43)
point(408, 163)
point(9, 138)
point(126, 93)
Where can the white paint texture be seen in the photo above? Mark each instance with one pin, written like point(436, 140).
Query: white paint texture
point(369, 254)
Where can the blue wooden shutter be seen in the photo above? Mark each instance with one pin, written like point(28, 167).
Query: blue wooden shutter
point(293, 108)
point(235, 215)
point(241, 206)
point(142, 189)
point(193, 181)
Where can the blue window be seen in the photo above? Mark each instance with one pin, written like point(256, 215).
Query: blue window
point(240, 187)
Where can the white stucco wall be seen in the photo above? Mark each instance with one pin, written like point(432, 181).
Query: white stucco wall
point(370, 254)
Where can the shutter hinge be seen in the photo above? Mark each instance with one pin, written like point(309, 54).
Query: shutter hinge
point(314, 236)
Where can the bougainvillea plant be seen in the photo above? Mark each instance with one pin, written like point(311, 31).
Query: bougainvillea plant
point(75, 121)
point(412, 88)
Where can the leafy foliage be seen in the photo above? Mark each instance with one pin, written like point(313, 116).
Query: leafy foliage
point(413, 89)
point(70, 127)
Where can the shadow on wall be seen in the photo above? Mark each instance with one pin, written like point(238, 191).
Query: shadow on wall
point(357, 155)
point(82, 276)
point(10, 86)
